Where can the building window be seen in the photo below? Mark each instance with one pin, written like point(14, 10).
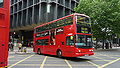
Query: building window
point(1, 3)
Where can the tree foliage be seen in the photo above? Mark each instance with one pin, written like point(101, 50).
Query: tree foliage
point(105, 15)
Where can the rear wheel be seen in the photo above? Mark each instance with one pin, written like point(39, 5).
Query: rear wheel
point(39, 52)
point(59, 53)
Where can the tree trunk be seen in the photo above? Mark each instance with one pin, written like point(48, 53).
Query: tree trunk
point(103, 46)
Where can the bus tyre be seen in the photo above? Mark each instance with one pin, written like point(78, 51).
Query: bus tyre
point(59, 53)
point(39, 52)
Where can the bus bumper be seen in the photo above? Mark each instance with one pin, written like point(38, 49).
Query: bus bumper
point(84, 54)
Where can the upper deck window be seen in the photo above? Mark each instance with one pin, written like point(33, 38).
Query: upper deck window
point(63, 22)
point(1, 3)
point(83, 24)
point(82, 20)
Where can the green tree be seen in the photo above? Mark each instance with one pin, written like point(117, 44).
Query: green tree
point(105, 15)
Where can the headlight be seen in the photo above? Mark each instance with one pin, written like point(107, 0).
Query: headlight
point(79, 50)
point(90, 50)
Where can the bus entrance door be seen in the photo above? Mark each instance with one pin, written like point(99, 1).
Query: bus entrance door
point(2, 44)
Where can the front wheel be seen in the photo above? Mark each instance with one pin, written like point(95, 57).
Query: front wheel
point(59, 53)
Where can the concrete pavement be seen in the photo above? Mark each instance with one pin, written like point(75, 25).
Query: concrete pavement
point(101, 59)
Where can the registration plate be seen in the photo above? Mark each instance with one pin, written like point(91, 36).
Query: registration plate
point(86, 54)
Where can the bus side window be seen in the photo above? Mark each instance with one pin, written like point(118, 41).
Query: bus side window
point(45, 42)
point(42, 42)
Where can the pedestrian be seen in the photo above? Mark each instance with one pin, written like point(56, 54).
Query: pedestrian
point(25, 49)
point(19, 47)
point(11, 46)
point(107, 44)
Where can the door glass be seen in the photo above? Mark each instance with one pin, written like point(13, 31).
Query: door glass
point(52, 37)
point(70, 40)
point(83, 41)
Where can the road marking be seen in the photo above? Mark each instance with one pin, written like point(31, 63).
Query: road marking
point(54, 60)
point(28, 65)
point(55, 65)
point(22, 55)
point(108, 56)
point(19, 61)
point(110, 63)
point(41, 66)
point(11, 56)
point(94, 64)
point(100, 58)
point(68, 63)
point(26, 60)
point(103, 60)
point(114, 55)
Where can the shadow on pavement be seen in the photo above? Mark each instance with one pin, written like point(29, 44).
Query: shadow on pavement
point(75, 59)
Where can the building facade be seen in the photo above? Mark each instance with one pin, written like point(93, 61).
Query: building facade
point(27, 14)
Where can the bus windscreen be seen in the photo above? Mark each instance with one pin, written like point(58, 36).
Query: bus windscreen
point(83, 41)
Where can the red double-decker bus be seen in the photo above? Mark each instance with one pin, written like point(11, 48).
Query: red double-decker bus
point(4, 31)
point(69, 36)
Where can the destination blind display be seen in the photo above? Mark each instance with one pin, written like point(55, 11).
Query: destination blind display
point(84, 30)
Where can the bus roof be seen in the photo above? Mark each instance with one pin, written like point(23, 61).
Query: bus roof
point(81, 15)
point(61, 18)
